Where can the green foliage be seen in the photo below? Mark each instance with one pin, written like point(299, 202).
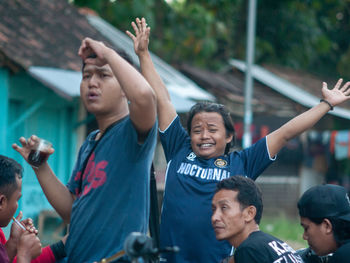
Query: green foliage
point(286, 229)
point(311, 35)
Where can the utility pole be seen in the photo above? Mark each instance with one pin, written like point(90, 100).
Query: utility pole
point(248, 84)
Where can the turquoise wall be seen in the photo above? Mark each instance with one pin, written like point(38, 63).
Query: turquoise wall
point(32, 108)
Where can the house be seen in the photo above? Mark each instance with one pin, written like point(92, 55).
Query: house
point(39, 83)
point(279, 95)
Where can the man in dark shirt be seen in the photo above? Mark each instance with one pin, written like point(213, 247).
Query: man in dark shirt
point(237, 208)
point(325, 216)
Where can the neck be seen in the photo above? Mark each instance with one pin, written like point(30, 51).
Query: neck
point(104, 122)
point(236, 240)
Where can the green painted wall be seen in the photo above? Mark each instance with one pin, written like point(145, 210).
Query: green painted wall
point(36, 109)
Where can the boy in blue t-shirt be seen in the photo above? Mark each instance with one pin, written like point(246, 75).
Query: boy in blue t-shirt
point(199, 159)
point(107, 196)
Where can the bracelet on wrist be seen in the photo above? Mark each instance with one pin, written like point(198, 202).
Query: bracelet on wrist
point(329, 104)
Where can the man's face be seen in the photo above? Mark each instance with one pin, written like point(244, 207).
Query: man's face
point(100, 90)
point(228, 219)
point(10, 205)
point(208, 135)
point(318, 236)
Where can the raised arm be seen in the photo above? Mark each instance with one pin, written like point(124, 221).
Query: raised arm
point(277, 139)
point(166, 110)
point(142, 101)
point(56, 193)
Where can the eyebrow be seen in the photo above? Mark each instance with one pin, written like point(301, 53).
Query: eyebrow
point(97, 69)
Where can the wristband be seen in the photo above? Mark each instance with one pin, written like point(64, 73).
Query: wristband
point(329, 104)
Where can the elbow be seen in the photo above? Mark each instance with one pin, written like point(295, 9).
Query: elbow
point(146, 97)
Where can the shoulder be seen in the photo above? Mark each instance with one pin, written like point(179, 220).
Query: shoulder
point(342, 253)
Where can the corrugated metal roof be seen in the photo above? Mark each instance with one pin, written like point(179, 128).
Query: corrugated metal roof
point(66, 83)
point(175, 81)
point(286, 88)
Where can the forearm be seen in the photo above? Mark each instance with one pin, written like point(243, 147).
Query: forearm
point(134, 85)
point(166, 111)
point(142, 106)
point(56, 193)
point(277, 139)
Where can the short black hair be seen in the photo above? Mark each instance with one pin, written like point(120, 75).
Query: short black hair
point(207, 106)
point(9, 170)
point(248, 193)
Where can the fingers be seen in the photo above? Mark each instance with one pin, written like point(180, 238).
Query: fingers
point(19, 216)
point(143, 24)
point(25, 143)
point(337, 86)
point(324, 85)
point(131, 35)
point(135, 27)
point(345, 87)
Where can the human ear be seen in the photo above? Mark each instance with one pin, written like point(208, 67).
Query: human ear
point(327, 226)
point(249, 213)
point(229, 138)
point(3, 201)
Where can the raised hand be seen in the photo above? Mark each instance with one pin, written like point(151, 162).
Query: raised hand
point(27, 145)
point(141, 37)
point(94, 52)
point(338, 94)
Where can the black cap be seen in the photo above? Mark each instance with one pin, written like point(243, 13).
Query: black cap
point(324, 201)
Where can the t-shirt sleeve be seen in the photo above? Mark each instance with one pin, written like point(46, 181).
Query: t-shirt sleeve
point(173, 138)
point(134, 149)
point(256, 158)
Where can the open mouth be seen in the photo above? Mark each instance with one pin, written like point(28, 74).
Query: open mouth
point(206, 145)
point(92, 95)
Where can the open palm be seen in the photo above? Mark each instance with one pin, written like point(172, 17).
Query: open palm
point(338, 94)
point(141, 37)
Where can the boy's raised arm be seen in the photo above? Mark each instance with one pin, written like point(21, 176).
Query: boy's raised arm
point(277, 139)
point(142, 100)
point(166, 110)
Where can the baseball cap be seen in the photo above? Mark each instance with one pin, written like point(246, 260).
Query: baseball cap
point(323, 201)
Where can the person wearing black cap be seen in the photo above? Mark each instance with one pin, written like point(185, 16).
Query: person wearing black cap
point(325, 216)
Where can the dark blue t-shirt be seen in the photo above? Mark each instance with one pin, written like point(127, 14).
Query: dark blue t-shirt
point(190, 185)
point(114, 196)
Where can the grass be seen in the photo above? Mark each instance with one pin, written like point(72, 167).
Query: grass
point(286, 229)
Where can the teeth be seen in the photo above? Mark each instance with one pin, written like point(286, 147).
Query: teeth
point(206, 145)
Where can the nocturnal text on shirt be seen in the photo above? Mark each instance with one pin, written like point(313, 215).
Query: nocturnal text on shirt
point(195, 170)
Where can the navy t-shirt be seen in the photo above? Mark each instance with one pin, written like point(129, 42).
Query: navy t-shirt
point(112, 195)
point(342, 254)
point(190, 185)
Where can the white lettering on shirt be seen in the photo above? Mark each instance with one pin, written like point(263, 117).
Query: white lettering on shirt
point(217, 174)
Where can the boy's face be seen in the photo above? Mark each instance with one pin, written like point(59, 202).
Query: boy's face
point(9, 205)
point(228, 219)
point(318, 236)
point(100, 90)
point(208, 135)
